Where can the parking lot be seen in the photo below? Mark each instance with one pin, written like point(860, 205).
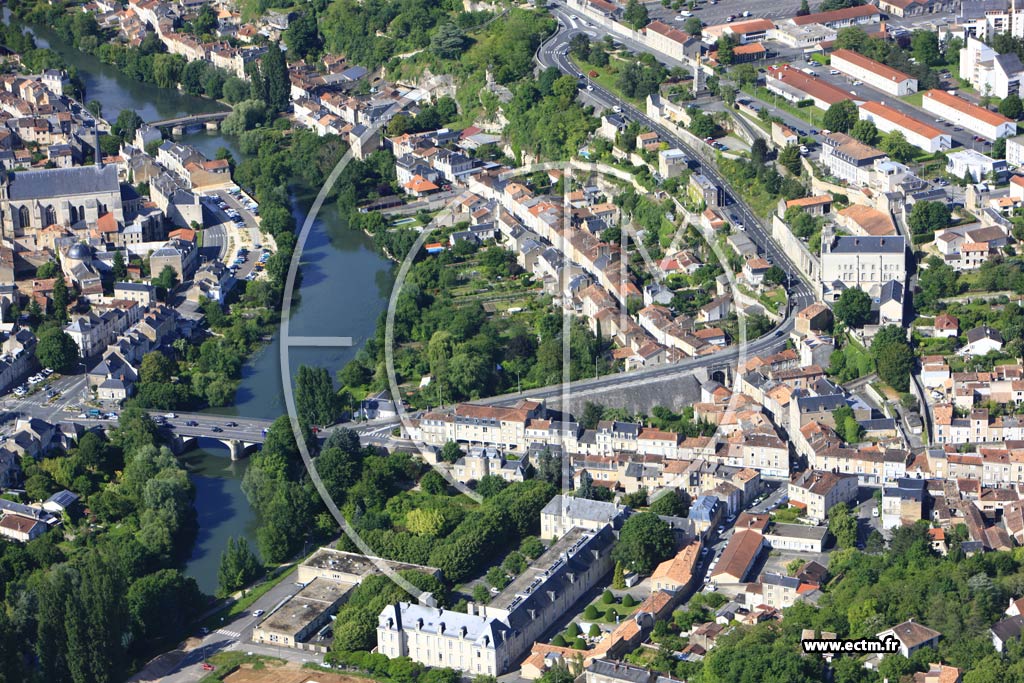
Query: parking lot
point(244, 252)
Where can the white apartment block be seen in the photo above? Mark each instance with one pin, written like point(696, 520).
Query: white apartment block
point(976, 119)
point(887, 119)
point(875, 74)
point(848, 159)
point(1015, 151)
point(989, 72)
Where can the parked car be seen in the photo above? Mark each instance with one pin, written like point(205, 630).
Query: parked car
point(231, 424)
point(833, 72)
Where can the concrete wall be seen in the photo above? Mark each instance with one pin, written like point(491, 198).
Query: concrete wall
point(808, 263)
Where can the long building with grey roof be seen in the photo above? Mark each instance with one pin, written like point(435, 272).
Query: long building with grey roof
point(489, 638)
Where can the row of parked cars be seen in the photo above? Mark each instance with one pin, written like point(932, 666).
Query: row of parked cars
point(32, 381)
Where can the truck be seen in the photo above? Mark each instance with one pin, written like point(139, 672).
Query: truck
point(94, 414)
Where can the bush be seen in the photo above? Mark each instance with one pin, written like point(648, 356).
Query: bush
point(558, 641)
point(595, 631)
point(590, 613)
point(628, 601)
point(611, 615)
point(607, 597)
point(573, 630)
point(579, 643)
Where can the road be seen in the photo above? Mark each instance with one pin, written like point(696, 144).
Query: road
point(554, 53)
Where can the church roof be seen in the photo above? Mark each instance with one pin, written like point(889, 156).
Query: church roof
point(62, 182)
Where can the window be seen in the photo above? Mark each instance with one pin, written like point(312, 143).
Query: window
point(23, 217)
point(51, 216)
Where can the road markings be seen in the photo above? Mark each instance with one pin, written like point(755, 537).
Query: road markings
point(230, 634)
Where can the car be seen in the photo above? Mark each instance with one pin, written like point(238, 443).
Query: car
point(857, 83)
point(853, 92)
point(230, 424)
point(171, 416)
point(957, 128)
point(216, 430)
point(590, 88)
point(80, 416)
point(746, 13)
point(207, 666)
point(833, 72)
point(191, 423)
point(720, 529)
point(804, 150)
point(258, 613)
point(617, 109)
point(874, 511)
point(730, 18)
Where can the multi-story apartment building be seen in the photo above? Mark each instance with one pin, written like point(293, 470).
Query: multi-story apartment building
point(820, 490)
point(563, 513)
point(849, 160)
point(988, 71)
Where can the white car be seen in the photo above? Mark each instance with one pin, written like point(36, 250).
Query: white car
point(834, 72)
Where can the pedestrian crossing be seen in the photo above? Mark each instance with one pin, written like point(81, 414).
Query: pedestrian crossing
point(230, 634)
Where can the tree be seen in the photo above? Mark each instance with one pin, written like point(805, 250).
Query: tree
point(841, 116)
point(316, 401)
point(303, 37)
point(156, 368)
point(57, 350)
point(789, 157)
point(433, 483)
point(672, 503)
point(425, 522)
point(592, 414)
point(636, 15)
point(999, 148)
point(1011, 107)
point(804, 10)
point(893, 356)
point(644, 542)
point(703, 126)
point(928, 217)
point(594, 631)
point(167, 279)
point(693, 26)
point(448, 41)
point(47, 270)
point(618, 577)
point(239, 567)
point(851, 38)
point(895, 144)
point(490, 485)
point(775, 275)
point(725, 48)
point(865, 131)
point(128, 121)
point(235, 90)
point(451, 452)
point(937, 280)
point(759, 151)
point(60, 299)
point(853, 307)
point(119, 268)
point(925, 46)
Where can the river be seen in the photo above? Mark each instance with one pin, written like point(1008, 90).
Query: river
point(344, 288)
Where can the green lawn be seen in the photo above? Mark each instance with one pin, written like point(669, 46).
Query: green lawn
point(811, 114)
point(913, 99)
point(607, 78)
